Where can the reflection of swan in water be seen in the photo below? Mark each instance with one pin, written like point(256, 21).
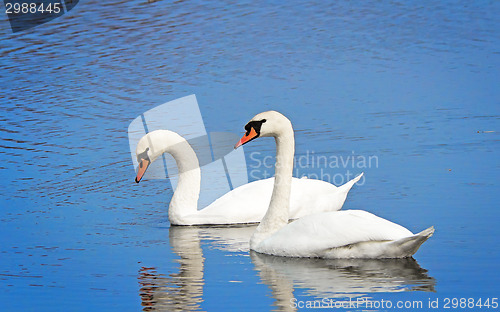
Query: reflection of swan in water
point(339, 278)
point(233, 238)
point(183, 291)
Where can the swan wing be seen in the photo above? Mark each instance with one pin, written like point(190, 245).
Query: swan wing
point(245, 204)
point(248, 203)
point(310, 196)
point(316, 235)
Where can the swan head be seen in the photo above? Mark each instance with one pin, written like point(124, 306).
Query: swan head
point(266, 124)
point(144, 156)
point(148, 150)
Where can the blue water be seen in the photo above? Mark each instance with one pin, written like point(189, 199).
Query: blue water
point(413, 84)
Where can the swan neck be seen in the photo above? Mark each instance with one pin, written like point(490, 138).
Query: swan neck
point(277, 213)
point(185, 199)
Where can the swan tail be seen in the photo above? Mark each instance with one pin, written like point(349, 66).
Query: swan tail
point(347, 187)
point(408, 246)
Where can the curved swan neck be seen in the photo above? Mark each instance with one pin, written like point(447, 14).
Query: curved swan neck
point(185, 199)
point(277, 213)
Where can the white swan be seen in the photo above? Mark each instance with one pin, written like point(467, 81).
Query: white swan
point(245, 204)
point(338, 234)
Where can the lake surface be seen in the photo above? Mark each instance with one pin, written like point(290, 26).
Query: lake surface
point(412, 85)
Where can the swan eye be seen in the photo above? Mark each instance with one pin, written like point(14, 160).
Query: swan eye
point(256, 125)
point(248, 127)
point(143, 155)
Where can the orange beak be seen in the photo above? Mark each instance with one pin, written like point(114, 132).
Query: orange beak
point(142, 169)
point(247, 138)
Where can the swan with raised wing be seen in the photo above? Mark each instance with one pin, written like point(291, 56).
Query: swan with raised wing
point(245, 204)
point(334, 234)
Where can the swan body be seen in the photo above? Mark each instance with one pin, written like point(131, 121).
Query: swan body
point(334, 234)
point(248, 203)
point(341, 235)
point(245, 204)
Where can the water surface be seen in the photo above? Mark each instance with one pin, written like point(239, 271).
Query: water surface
point(415, 85)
